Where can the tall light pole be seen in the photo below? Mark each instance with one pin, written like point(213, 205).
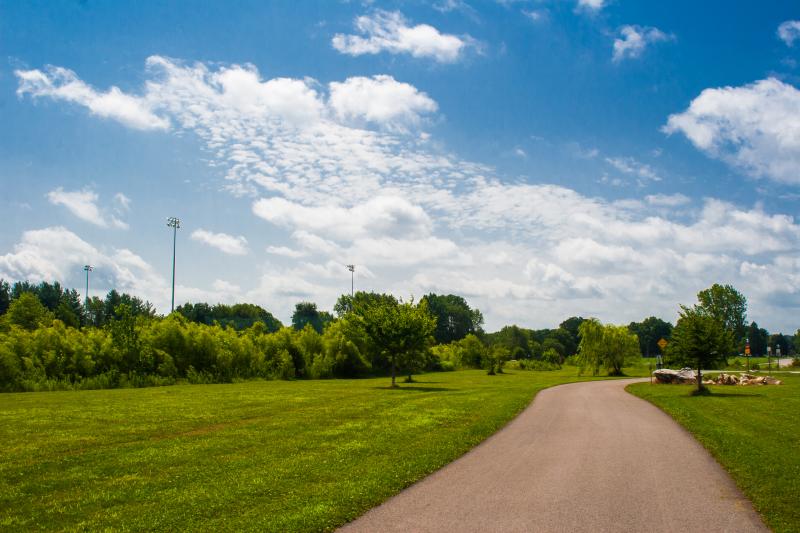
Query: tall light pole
point(352, 269)
point(87, 268)
point(174, 223)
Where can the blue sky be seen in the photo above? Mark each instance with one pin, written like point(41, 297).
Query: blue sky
point(541, 158)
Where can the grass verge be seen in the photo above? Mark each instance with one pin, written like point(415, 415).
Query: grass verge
point(265, 456)
point(754, 432)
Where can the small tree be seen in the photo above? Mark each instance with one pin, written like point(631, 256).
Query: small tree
point(699, 340)
point(401, 330)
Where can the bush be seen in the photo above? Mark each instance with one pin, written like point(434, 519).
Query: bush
point(447, 366)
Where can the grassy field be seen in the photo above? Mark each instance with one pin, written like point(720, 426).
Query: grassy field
point(754, 432)
point(274, 456)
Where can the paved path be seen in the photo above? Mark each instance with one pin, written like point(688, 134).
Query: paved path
point(582, 457)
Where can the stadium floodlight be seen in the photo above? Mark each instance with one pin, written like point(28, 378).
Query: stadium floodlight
point(174, 223)
point(352, 269)
point(87, 268)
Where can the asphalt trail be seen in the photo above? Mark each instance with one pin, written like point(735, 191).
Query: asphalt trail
point(581, 457)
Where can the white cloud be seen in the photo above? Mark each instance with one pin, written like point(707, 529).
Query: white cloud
point(83, 204)
point(285, 251)
point(633, 41)
point(591, 5)
point(390, 216)
point(755, 128)
point(389, 31)
point(229, 244)
point(57, 254)
point(62, 84)
point(667, 200)
point(418, 219)
point(789, 31)
point(380, 99)
point(221, 285)
point(536, 15)
point(629, 165)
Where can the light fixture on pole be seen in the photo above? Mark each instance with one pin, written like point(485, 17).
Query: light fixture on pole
point(174, 223)
point(352, 269)
point(87, 268)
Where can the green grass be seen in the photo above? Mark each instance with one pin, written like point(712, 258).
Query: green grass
point(754, 432)
point(265, 456)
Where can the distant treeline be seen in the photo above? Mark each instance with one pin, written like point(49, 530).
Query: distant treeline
point(50, 339)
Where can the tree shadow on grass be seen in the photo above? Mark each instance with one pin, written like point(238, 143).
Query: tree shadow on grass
point(411, 388)
point(729, 395)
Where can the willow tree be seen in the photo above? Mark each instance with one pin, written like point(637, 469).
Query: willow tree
point(607, 346)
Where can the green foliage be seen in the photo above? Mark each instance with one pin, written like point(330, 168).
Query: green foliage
point(496, 358)
point(650, 331)
point(727, 306)
point(607, 346)
point(5, 296)
point(27, 312)
point(700, 341)
point(239, 316)
point(306, 314)
point(400, 331)
point(758, 338)
point(454, 317)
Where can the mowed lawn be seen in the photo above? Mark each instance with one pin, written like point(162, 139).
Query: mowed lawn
point(754, 432)
point(266, 456)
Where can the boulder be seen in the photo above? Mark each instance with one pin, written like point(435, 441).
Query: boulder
point(667, 375)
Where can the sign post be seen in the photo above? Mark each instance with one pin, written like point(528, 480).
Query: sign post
point(662, 343)
point(747, 354)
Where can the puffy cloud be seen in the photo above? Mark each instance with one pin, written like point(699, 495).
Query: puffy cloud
point(57, 254)
point(83, 204)
point(46, 254)
point(789, 31)
point(229, 244)
point(591, 5)
point(633, 41)
point(380, 99)
point(755, 128)
point(418, 219)
point(390, 216)
point(62, 84)
point(390, 32)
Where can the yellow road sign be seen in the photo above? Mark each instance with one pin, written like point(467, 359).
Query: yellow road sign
point(662, 343)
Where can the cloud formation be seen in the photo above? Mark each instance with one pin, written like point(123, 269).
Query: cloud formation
point(634, 40)
point(229, 244)
point(414, 218)
point(62, 84)
point(754, 128)
point(83, 204)
point(389, 31)
point(591, 5)
point(789, 32)
point(380, 100)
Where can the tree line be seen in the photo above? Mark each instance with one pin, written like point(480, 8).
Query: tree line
point(49, 339)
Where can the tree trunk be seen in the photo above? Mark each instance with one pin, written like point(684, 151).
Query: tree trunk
point(699, 377)
point(393, 373)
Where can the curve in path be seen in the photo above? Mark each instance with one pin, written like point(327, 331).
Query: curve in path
point(582, 457)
